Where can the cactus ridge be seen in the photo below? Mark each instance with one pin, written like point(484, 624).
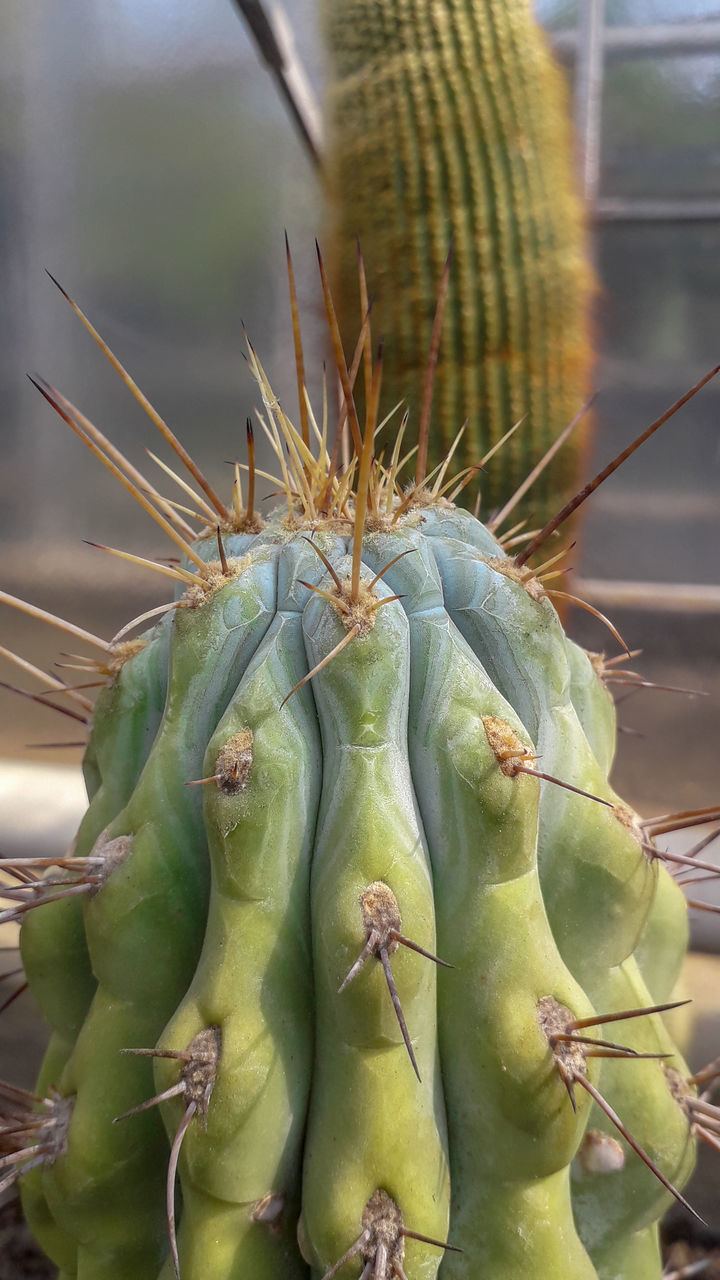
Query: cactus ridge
point(127, 714)
point(354, 913)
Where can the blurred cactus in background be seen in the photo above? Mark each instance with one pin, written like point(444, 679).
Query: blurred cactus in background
point(449, 123)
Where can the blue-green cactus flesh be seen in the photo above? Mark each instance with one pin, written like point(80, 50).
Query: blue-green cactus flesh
point(358, 972)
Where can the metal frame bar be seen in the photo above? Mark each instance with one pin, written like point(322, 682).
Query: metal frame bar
point(588, 96)
point(617, 209)
point(272, 32)
point(589, 45)
point(655, 597)
point(632, 42)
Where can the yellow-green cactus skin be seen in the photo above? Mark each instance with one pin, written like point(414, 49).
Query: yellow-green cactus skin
point(447, 122)
point(356, 938)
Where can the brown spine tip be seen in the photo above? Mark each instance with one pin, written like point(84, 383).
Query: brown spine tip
point(14, 995)
point(537, 470)
point(145, 403)
point(622, 457)
point(250, 435)
point(44, 701)
point(612, 1115)
point(298, 347)
point(74, 419)
point(599, 1019)
point(364, 311)
point(221, 552)
point(340, 356)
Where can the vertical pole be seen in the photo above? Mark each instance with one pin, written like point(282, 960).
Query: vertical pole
point(588, 96)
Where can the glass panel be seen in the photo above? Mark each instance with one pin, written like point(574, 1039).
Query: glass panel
point(641, 13)
point(556, 14)
point(658, 317)
point(147, 161)
point(661, 136)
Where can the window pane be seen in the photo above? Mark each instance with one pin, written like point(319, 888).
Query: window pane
point(641, 13)
point(661, 127)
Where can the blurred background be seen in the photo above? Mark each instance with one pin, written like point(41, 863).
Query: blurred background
point(147, 161)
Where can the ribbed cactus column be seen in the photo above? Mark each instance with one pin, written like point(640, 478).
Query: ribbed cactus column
point(447, 121)
point(361, 913)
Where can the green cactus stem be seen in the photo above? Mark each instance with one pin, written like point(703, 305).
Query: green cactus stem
point(365, 949)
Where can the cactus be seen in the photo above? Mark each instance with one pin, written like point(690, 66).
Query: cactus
point(354, 908)
point(448, 122)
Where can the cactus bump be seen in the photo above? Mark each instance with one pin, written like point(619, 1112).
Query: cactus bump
point(358, 965)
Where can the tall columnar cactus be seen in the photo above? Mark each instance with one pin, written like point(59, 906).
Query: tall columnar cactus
point(355, 905)
point(447, 121)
